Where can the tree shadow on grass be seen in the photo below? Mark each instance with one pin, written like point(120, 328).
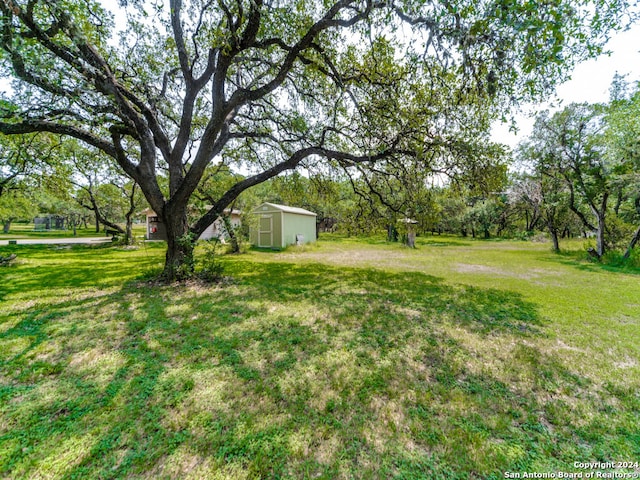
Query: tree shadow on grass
point(47, 267)
point(99, 373)
point(294, 371)
point(350, 293)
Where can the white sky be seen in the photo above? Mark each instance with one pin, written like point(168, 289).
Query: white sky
point(590, 82)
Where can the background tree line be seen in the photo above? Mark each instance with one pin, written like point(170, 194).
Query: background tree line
point(577, 174)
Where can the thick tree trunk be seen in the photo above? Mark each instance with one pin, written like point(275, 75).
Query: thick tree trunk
point(392, 233)
point(97, 222)
point(6, 227)
point(632, 243)
point(179, 261)
point(599, 212)
point(128, 235)
point(554, 237)
point(531, 222)
point(600, 232)
point(131, 195)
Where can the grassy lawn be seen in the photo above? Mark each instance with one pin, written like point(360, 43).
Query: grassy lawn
point(347, 359)
point(24, 230)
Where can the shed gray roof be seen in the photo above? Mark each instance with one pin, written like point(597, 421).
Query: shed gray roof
point(285, 208)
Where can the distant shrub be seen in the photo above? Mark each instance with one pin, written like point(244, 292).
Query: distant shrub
point(616, 259)
point(539, 238)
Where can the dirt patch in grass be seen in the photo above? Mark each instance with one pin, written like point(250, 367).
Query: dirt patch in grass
point(489, 270)
point(628, 362)
point(347, 257)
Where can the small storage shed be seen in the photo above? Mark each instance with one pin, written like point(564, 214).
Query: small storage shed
point(281, 225)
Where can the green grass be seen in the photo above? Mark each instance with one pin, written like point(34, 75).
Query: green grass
point(346, 359)
point(23, 230)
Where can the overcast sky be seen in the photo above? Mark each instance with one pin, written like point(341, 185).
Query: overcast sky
point(590, 82)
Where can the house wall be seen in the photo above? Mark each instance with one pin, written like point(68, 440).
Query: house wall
point(155, 228)
point(217, 228)
point(211, 231)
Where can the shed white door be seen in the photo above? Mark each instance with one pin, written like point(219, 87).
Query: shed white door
point(265, 231)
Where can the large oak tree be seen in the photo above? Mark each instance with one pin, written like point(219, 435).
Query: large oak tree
point(368, 86)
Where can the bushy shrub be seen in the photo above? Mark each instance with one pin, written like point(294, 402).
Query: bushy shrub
point(616, 259)
point(210, 269)
point(618, 233)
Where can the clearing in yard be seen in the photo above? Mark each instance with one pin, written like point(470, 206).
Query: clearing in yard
point(346, 359)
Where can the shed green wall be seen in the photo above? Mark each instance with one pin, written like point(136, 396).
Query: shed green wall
point(295, 224)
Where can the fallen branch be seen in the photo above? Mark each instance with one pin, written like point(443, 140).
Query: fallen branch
point(4, 261)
